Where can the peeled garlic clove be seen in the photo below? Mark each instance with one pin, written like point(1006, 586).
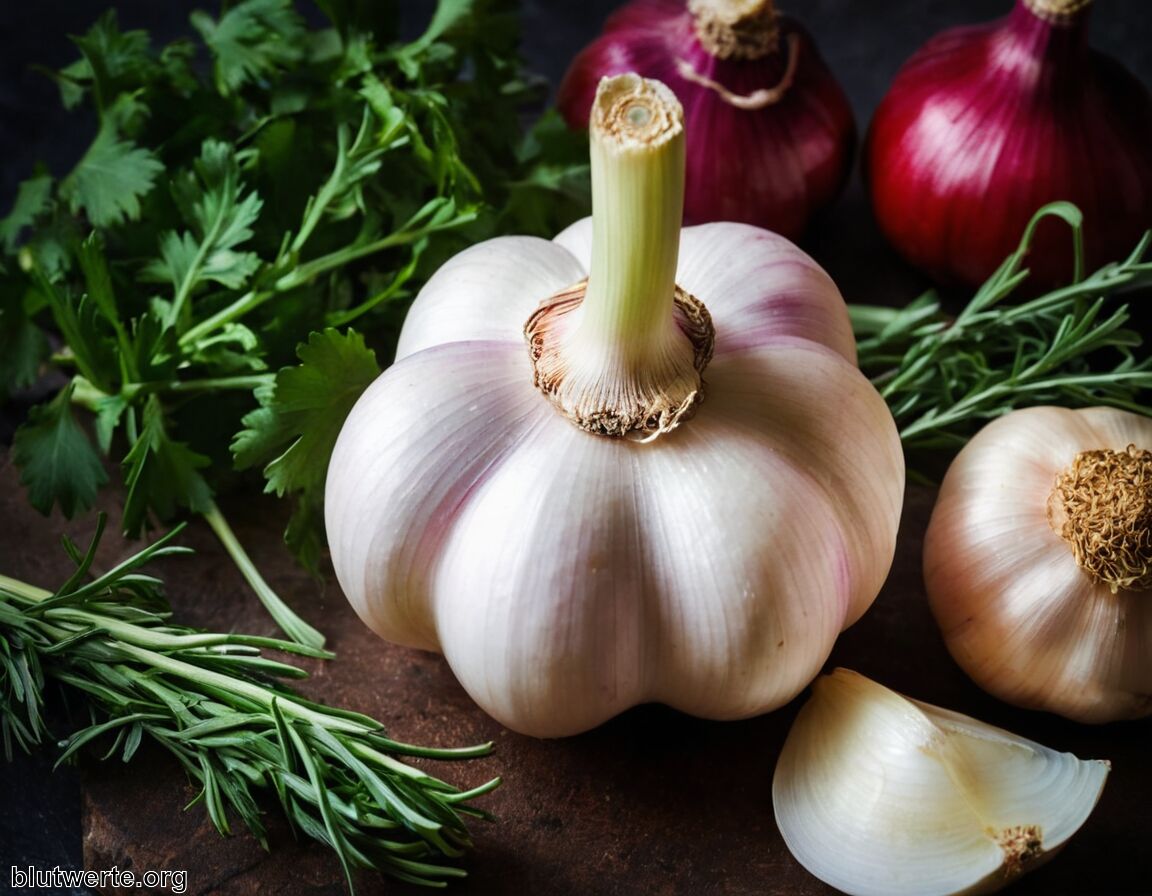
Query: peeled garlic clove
point(880, 795)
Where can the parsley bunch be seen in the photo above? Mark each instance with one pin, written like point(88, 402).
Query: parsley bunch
point(247, 195)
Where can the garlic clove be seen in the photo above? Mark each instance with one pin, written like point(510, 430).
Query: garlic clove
point(753, 276)
point(880, 795)
point(733, 264)
point(466, 406)
point(487, 292)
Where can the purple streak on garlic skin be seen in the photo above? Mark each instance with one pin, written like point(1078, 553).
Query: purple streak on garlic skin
point(752, 276)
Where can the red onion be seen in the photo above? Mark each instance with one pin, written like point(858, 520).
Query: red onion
point(986, 123)
point(770, 133)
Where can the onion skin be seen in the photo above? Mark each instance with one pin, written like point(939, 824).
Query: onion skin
point(1020, 617)
point(985, 124)
point(773, 167)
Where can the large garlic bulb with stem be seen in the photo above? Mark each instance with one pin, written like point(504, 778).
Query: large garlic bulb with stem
point(880, 795)
point(634, 464)
point(1038, 561)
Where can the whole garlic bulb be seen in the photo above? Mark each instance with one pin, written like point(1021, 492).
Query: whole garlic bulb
point(1038, 561)
point(679, 488)
point(880, 795)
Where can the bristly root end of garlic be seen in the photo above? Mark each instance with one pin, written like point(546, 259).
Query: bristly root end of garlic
point(1102, 506)
point(1022, 844)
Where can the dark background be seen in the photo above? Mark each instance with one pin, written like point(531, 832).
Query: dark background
point(864, 43)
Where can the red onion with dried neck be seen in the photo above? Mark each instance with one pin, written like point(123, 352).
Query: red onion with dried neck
point(770, 132)
point(986, 123)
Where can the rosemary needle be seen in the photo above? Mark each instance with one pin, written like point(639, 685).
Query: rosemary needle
point(944, 377)
point(217, 705)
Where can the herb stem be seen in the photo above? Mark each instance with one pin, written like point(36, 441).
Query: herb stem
point(23, 589)
point(943, 377)
point(305, 273)
point(218, 706)
point(86, 395)
point(291, 624)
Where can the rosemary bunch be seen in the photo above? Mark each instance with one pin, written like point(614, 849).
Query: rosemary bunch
point(214, 702)
point(944, 377)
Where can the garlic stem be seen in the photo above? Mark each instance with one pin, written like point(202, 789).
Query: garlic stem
point(637, 150)
point(621, 354)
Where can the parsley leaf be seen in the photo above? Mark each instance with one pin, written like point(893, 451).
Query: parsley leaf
point(251, 40)
point(58, 463)
point(161, 474)
point(31, 201)
point(315, 177)
point(22, 344)
point(300, 414)
point(221, 220)
point(295, 428)
point(110, 179)
point(113, 61)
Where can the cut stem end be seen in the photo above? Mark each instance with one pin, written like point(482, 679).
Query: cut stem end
point(1022, 845)
point(1102, 507)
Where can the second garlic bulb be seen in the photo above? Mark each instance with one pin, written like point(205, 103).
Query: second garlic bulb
point(1038, 561)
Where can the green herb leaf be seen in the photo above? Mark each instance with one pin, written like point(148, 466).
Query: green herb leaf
point(221, 221)
point(251, 40)
point(221, 709)
point(294, 431)
point(57, 461)
point(161, 474)
point(301, 414)
point(22, 344)
point(109, 181)
point(113, 61)
point(31, 201)
point(944, 377)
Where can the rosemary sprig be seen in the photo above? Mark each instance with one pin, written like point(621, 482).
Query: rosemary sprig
point(945, 377)
point(214, 702)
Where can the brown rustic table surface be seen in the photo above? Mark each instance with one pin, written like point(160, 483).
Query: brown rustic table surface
point(654, 802)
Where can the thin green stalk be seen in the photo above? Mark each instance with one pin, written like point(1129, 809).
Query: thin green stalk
point(291, 624)
point(87, 395)
point(308, 271)
point(943, 376)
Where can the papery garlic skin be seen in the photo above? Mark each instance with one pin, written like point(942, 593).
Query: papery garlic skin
point(567, 577)
point(1017, 612)
point(634, 464)
point(880, 795)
